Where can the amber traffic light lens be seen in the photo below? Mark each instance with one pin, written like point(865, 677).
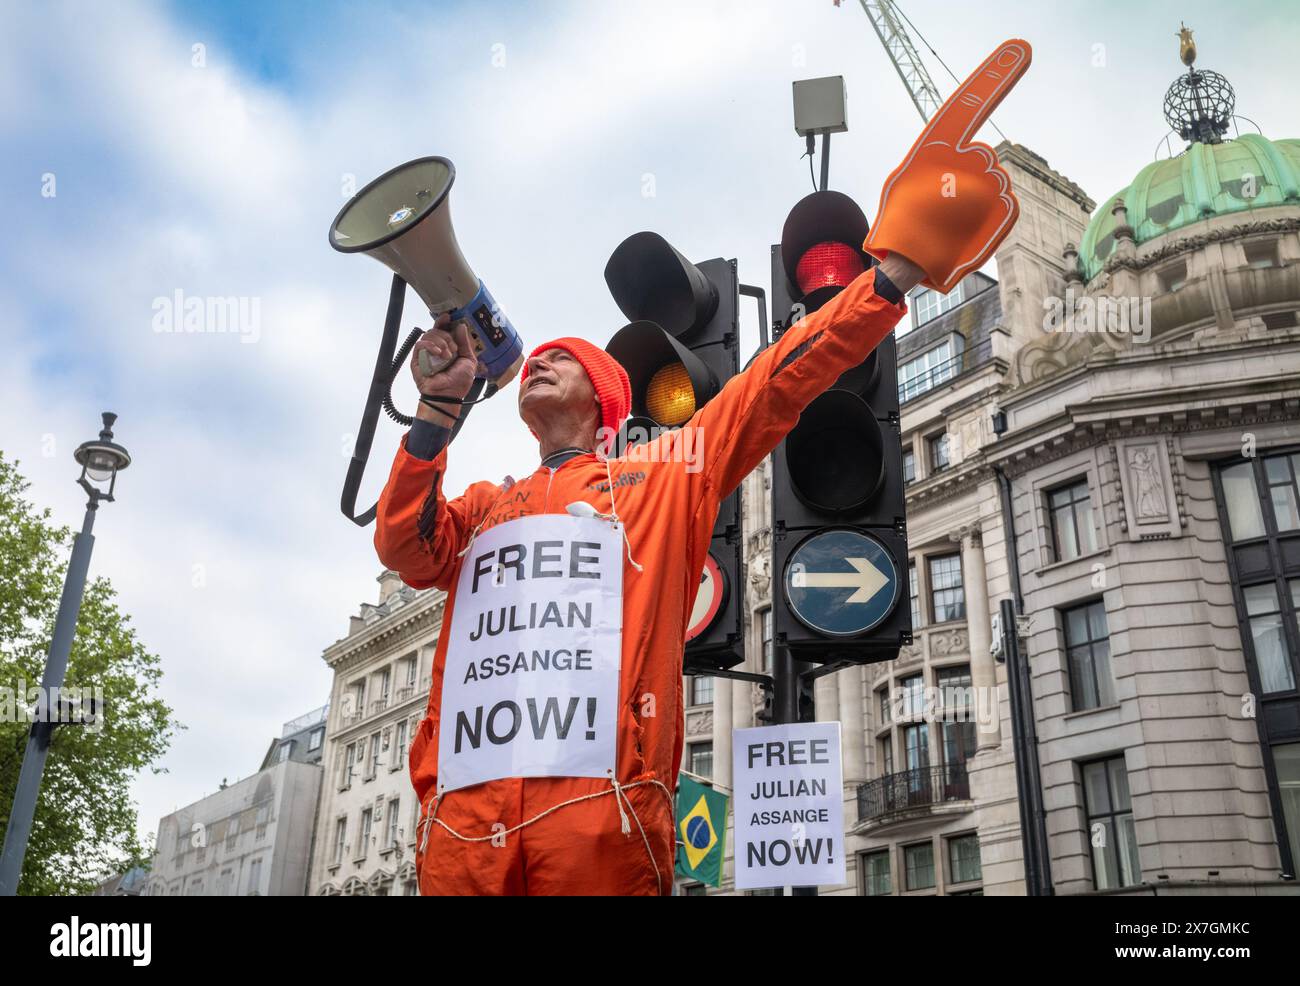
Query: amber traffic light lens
point(669, 397)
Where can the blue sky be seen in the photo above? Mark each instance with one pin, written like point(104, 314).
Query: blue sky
point(221, 178)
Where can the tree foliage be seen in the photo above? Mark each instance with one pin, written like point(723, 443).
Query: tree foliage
point(85, 823)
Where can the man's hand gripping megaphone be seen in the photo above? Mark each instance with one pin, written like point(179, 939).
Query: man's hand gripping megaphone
point(444, 364)
point(949, 204)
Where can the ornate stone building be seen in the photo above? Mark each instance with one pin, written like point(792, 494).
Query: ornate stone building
point(365, 843)
point(1127, 395)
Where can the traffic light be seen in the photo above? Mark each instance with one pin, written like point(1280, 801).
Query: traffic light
point(679, 349)
point(838, 516)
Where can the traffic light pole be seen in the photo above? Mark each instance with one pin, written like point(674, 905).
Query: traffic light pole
point(787, 682)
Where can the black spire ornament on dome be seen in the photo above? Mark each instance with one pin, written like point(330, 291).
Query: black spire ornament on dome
point(1199, 104)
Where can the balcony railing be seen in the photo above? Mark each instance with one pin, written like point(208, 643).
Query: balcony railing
point(921, 787)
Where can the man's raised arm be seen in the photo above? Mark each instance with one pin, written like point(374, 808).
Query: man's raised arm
point(418, 532)
point(758, 407)
point(943, 211)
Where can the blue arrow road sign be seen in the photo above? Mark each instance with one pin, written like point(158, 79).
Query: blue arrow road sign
point(841, 582)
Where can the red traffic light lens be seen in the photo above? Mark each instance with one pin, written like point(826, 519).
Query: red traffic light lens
point(828, 264)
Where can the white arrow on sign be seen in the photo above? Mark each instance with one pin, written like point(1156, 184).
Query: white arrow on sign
point(867, 580)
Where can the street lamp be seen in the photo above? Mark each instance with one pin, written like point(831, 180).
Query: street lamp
point(101, 460)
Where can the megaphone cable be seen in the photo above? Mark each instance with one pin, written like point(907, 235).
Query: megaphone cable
point(381, 395)
point(399, 361)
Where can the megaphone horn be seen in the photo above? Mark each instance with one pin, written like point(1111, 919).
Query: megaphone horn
point(403, 220)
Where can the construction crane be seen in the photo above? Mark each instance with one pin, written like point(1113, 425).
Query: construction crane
point(888, 21)
point(901, 51)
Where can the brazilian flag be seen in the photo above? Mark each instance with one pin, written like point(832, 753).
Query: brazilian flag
point(701, 831)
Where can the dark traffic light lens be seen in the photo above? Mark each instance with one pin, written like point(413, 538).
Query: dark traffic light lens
point(828, 264)
point(836, 453)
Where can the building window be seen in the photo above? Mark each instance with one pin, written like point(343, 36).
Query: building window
point(769, 650)
point(914, 593)
point(357, 691)
point(372, 767)
point(701, 689)
point(959, 745)
point(918, 863)
point(340, 839)
point(1173, 277)
point(1280, 472)
point(928, 304)
point(694, 890)
point(1241, 498)
point(939, 457)
point(363, 846)
point(1110, 824)
point(875, 871)
point(390, 836)
point(349, 759)
point(317, 737)
point(1273, 656)
point(1286, 759)
point(1087, 650)
point(947, 598)
point(916, 741)
point(909, 466)
point(701, 758)
point(883, 698)
point(1069, 510)
point(886, 756)
point(399, 745)
point(964, 858)
point(412, 668)
point(282, 751)
point(1260, 254)
point(954, 688)
point(385, 683)
point(931, 368)
point(911, 699)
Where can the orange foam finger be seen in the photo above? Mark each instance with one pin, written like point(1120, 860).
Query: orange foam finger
point(967, 109)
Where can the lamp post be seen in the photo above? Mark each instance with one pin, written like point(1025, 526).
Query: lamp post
point(101, 460)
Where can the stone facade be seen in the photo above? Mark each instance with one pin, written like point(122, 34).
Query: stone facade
point(1128, 429)
point(368, 813)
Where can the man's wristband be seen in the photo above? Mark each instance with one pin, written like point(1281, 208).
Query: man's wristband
point(887, 289)
point(427, 439)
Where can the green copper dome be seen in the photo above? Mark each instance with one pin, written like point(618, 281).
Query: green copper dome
point(1205, 180)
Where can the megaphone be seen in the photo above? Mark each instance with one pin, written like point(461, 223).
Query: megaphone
point(403, 220)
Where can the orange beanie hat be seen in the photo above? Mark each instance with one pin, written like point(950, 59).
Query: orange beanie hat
point(606, 374)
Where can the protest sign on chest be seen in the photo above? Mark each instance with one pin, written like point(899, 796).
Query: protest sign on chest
point(530, 684)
